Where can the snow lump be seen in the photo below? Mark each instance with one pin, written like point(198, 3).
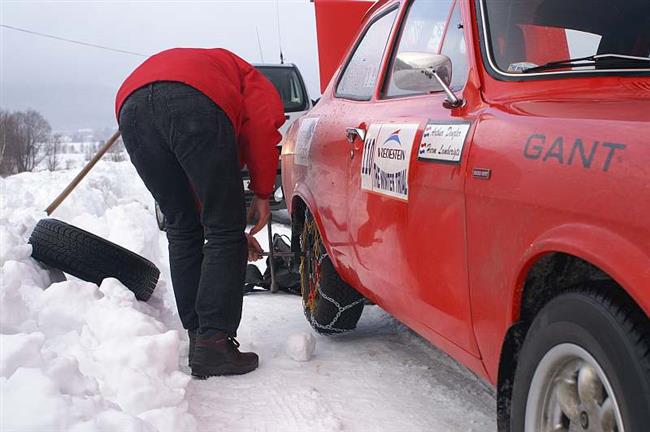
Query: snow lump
point(300, 346)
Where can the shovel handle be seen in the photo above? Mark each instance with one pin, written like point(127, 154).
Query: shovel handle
point(75, 182)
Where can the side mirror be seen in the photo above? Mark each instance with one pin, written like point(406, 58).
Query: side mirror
point(411, 71)
point(424, 73)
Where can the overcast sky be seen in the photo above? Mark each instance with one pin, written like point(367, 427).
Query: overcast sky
point(74, 86)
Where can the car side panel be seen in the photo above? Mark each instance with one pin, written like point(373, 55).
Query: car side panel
point(555, 185)
point(411, 253)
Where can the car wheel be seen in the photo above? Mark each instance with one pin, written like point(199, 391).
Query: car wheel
point(330, 305)
point(160, 218)
point(584, 366)
point(91, 258)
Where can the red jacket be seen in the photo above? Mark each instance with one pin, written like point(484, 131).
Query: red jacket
point(249, 99)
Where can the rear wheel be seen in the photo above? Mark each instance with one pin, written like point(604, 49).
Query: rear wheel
point(330, 305)
point(584, 366)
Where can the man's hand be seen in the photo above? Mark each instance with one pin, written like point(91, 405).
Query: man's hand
point(254, 248)
point(258, 213)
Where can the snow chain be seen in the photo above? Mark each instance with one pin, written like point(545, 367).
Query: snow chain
point(311, 262)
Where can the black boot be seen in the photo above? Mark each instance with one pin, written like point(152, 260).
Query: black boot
point(191, 335)
point(218, 355)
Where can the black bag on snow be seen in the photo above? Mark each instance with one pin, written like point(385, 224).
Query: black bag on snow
point(287, 270)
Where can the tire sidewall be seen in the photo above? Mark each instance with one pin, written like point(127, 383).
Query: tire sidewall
point(580, 319)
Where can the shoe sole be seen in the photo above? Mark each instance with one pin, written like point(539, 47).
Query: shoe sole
point(222, 371)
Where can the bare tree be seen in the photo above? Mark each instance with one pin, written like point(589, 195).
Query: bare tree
point(34, 132)
point(52, 151)
point(8, 132)
point(23, 135)
point(89, 151)
point(117, 152)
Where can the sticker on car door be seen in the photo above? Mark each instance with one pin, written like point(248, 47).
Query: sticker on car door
point(303, 140)
point(443, 142)
point(386, 159)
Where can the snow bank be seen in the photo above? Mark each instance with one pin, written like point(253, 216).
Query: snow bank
point(75, 356)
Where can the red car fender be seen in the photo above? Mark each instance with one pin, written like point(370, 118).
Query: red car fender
point(347, 274)
point(621, 259)
point(299, 189)
point(303, 193)
point(624, 262)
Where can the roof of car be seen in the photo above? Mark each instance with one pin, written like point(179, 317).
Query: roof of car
point(275, 65)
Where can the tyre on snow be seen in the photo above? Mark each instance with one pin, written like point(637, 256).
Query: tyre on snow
point(330, 304)
point(584, 365)
point(91, 258)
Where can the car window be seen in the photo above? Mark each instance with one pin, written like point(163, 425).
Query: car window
point(358, 80)
point(422, 32)
point(287, 81)
point(455, 47)
point(527, 34)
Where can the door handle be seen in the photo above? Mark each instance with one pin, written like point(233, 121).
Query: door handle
point(353, 133)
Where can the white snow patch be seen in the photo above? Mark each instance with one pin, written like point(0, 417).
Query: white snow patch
point(300, 346)
point(81, 358)
point(75, 356)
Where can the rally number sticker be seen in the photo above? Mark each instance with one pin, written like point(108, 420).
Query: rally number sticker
point(303, 140)
point(386, 159)
point(443, 141)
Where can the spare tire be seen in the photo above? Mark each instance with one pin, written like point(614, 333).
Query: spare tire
point(91, 258)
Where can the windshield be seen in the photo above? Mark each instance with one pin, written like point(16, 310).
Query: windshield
point(288, 83)
point(527, 34)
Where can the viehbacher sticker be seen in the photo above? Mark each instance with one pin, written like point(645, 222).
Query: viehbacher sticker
point(443, 141)
point(386, 159)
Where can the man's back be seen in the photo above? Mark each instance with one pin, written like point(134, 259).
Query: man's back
point(250, 101)
point(215, 72)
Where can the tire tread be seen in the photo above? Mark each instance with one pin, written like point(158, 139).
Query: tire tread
point(91, 258)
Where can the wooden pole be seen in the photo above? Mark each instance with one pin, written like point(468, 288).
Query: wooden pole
point(85, 170)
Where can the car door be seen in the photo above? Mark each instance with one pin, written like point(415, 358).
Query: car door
point(406, 189)
point(330, 153)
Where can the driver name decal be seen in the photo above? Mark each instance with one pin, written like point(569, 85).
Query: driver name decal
point(386, 159)
point(443, 142)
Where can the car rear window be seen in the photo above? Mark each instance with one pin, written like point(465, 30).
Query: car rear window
point(288, 83)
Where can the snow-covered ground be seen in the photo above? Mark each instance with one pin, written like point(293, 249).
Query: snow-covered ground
point(77, 357)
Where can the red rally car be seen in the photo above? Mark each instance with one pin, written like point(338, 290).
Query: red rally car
point(481, 170)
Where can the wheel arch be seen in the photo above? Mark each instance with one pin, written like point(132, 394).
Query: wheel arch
point(301, 201)
point(590, 253)
point(562, 258)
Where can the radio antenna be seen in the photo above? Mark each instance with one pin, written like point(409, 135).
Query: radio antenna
point(277, 13)
point(259, 43)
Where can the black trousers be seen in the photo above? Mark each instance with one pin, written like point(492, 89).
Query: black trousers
point(184, 148)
